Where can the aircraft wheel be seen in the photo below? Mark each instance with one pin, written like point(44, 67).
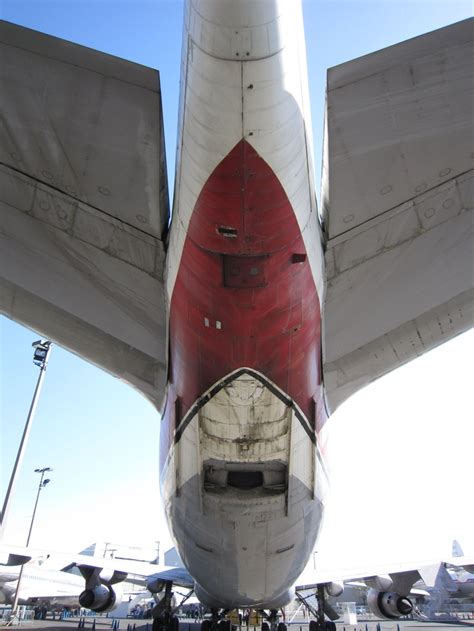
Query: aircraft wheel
point(174, 624)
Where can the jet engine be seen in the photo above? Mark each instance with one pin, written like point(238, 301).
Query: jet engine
point(100, 599)
point(7, 592)
point(334, 589)
point(388, 604)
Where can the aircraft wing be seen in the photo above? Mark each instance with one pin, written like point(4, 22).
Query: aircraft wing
point(139, 571)
point(465, 562)
point(84, 203)
point(397, 202)
point(8, 557)
point(398, 577)
point(111, 570)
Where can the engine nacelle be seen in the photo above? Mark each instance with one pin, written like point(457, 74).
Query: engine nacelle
point(334, 589)
point(100, 599)
point(155, 585)
point(388, 604)
point(7, 593)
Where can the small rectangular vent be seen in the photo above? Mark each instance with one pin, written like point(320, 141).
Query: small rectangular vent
point(227, 231)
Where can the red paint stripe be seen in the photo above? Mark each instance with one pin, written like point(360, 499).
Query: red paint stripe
point(243, 232)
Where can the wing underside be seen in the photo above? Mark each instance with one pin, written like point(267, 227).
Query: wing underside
point(397, 196)
point(84, 203)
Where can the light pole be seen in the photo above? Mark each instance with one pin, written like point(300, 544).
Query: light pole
point(41, 486)
point(40, 358)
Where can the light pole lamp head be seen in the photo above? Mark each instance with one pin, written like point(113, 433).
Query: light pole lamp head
point(42, 348)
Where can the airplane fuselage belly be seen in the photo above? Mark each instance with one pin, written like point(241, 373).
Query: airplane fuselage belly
point(242, 478)
point(244, 500)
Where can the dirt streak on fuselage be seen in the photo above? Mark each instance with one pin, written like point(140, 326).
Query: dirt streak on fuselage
point(242, 478)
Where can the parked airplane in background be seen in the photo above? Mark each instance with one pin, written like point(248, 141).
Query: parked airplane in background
point(253, 317)
point(40, 585)
point(443, 582)
point(463, 585)
point(53, 578)
point(463, 577)
point(434, 580)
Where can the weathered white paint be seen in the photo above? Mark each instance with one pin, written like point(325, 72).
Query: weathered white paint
point(83, 203)
point(244, 542)
point(398, 197)
point(244, 77)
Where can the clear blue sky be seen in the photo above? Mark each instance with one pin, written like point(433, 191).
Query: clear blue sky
point(102, 438)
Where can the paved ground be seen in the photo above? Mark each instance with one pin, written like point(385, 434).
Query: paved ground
point(102, 624)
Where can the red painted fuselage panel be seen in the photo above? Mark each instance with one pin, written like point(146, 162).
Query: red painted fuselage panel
point(244, 294)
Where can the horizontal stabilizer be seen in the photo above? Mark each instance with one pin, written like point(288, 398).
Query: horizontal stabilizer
point(84, 203)
point(13, 559)
point(398, 188)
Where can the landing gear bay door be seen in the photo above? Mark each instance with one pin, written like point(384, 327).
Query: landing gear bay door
point(84, 203)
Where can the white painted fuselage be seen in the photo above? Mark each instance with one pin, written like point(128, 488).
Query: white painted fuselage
point(40, 585)
point(243, 479)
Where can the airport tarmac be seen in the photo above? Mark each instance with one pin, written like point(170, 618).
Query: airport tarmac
point(102, 624)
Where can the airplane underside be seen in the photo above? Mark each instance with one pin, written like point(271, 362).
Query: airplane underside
point(227, 321)
point(241, 479)
point(244, 398)
point(243, 489)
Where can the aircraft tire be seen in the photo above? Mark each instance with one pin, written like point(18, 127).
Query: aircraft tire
point(324, 626)
point(174, 624)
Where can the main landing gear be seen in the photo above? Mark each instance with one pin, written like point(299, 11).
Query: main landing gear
point(164, 618)
point(320, 623)
point(216, 622)
point(271, 622)
point(219, 622)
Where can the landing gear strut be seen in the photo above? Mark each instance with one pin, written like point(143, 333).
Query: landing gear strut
point(163, 618)
point(271, 622)
point(320, 623)
point(217, 622)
